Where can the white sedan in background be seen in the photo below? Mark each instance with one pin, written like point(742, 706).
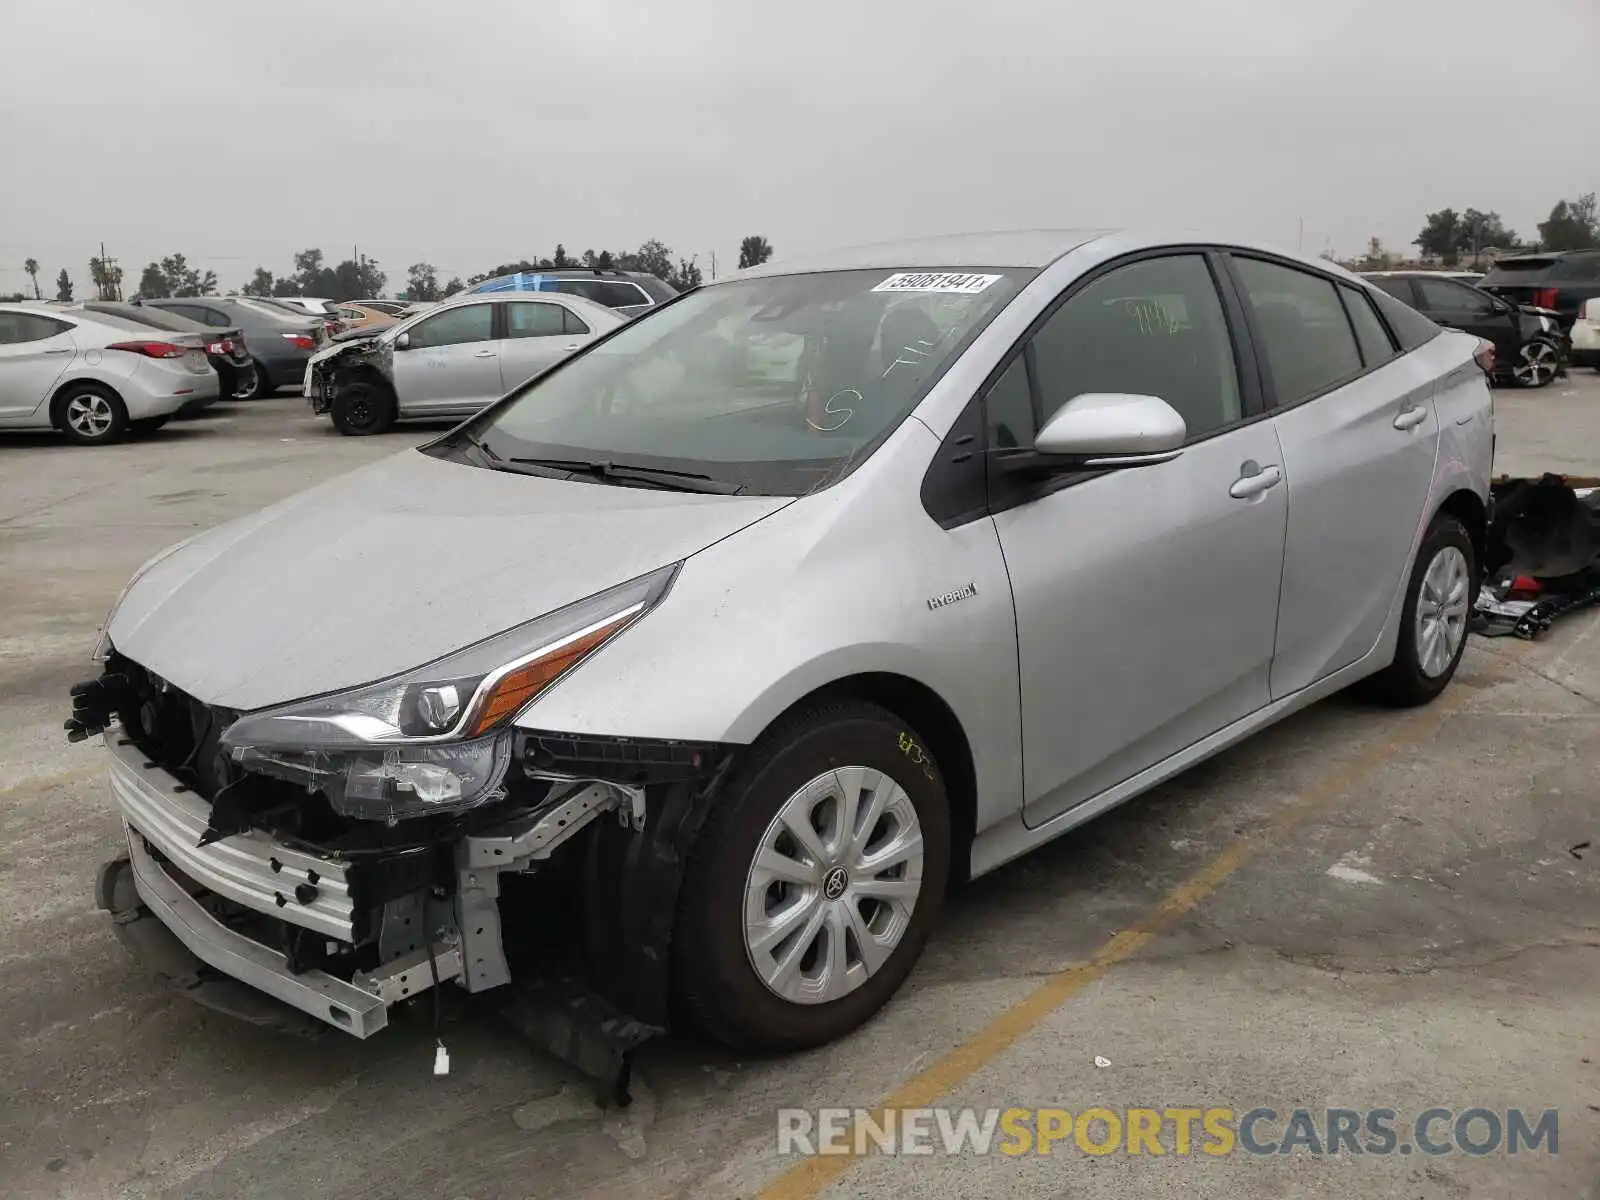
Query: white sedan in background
point(95, 376)
point(451, 360)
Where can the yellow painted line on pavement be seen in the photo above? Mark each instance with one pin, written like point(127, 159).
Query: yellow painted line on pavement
point(811, 1176)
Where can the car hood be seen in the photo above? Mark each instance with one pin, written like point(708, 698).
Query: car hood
point(393, 566)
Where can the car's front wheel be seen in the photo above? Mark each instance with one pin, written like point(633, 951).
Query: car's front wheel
point(362, 408)
point(1433, 625)
point(815, 882)
point(1537, 365)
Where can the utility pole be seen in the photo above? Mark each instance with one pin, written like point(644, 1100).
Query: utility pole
point(108, 289)
point(713, 264)
point(1300, 237)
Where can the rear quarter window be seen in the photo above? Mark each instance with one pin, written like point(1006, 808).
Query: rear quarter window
point(1410, 328)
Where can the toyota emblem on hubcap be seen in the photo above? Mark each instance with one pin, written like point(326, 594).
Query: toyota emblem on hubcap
point(833, 883)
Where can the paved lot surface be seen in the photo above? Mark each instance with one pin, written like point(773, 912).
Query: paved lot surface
point(1357, 909)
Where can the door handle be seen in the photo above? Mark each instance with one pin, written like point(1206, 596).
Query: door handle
point(1410, 418)
point(63, 350)
point(1263, 480)
point(484, 354)
point(571, 348)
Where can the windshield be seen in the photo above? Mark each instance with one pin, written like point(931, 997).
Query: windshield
point(778, 386)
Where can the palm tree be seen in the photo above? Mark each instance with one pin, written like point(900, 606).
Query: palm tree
point(754, 250)
point(31, 266)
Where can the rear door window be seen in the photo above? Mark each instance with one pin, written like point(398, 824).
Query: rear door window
point(572, 323)
point(1448, 296)
point(530, 319)
point(1301, 325)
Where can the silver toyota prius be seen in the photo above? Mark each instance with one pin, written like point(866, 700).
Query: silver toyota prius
point(726, 646)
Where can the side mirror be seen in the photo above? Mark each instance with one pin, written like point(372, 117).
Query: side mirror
point(1113, 429)
point(403, 342)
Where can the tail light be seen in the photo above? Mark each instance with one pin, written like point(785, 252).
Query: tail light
point(300, 341)
point(151, 349)
point(224, 347)
point(1544, 298)
point(1484, 356)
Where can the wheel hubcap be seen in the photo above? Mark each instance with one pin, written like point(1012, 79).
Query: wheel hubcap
point(1441, 618)
point(1537, 365)
point(89, 415)
point(248, 385)
point(834, 883)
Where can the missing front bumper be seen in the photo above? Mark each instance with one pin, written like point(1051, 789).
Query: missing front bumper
point(173, 878)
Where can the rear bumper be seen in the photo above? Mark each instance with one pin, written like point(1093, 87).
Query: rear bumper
point(158, 389)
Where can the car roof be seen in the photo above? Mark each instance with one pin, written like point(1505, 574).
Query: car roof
point(578, 304)
point(1032, 248)
point(1536, 255)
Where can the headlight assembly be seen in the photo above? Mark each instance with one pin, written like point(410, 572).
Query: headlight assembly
point(434, 739)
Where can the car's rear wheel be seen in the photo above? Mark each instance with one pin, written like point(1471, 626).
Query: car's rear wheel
point(361, 408)
point(1433, 625)
point(252, 382)
point(91, 414)
point(1537, 365)
point(815, 882)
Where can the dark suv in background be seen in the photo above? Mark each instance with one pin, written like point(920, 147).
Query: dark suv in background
point(1560, 281)
point(627, 292)
point(1529, 346)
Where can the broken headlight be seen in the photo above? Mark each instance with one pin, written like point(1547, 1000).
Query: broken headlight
point(435, 739)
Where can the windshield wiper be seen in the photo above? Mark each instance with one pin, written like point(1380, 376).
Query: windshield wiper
point(609, 472)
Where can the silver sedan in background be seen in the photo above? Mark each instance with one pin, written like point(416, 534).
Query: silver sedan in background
point(451, 360)
point(95, 376)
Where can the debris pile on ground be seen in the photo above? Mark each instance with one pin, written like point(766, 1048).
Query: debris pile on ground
point(1542, 555)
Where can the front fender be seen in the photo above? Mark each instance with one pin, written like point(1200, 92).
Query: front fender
point(835, 585)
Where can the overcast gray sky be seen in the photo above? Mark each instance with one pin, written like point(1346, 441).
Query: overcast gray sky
point(469, 132)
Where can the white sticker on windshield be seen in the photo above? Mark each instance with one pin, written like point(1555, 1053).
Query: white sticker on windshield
point(936, 281)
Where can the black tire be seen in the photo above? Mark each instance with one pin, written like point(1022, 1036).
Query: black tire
point(111, 414)
point(149, 424)
point(362, 408)
point(1544, 357)
point(718, 992)
point(1405, 683)
point(252, 382)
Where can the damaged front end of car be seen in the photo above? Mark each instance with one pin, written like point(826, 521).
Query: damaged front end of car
point(323, 862)
point(354, 356)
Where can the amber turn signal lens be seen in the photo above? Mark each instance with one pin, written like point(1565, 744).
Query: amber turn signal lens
point(521, 684)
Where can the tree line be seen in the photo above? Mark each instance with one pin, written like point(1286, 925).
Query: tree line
point(361, 277)
point(1450, 236)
